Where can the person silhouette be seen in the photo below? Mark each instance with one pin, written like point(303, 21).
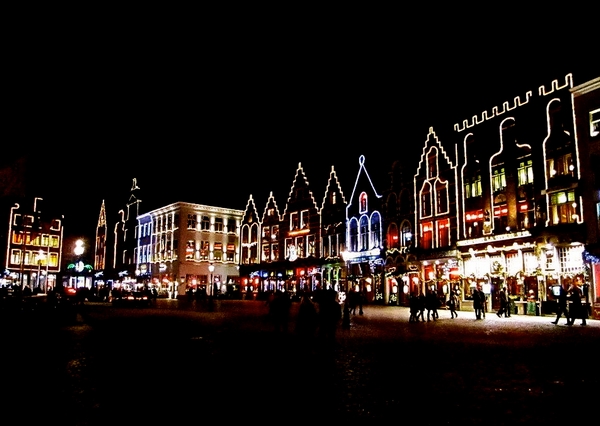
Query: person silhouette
point(330, 314)
point(503, 303)
point(431, 302)
point(452, 304)
point(413, 303)
point(477, 303)
point(307, 318)
point(562, 306)
point(576, 306)
point(279, 311)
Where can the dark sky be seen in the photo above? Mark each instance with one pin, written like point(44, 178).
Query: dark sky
point(214, 127)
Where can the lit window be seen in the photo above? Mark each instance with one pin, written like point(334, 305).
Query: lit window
point(191, 221)
point(473, 187)
point(525, 172)
point(595, 122)
point(363, 202)
point(218, 251)
point(563, 208)
point(205, 223)
point(304, 219)
point(190, 249)
point(499, 180)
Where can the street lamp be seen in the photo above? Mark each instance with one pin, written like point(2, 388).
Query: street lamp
point(78, 263)
point(211, 269)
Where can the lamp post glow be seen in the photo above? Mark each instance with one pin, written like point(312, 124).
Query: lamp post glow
point(78, 263)
point(211, 269)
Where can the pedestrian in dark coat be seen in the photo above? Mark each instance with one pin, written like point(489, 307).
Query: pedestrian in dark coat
point(307, 319)
point(330, 314)
point(413, 303)
point(279, 311)
point(452, 304)
point(422, 302)
point(483, 300)
point(431, 303)
point(503, 303)
point(477, 304)
point(562, 305)
point(576, 310)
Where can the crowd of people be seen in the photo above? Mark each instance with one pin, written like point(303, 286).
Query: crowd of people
point(319, 314)
point(572, 303)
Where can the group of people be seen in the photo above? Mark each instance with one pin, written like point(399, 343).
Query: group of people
point(576, 310)
point(319, 314)
point(430, 302)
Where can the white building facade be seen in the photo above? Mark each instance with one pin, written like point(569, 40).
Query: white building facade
point(187, 247)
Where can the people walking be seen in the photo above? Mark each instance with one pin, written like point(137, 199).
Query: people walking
point(576, 310)
point(431, 302)
point(483, 300)
point(477, 302)
point(413, 305)
point(352, 301)
point(452, 304)
point(562, 306)
point(503, 303)
point(421, 306)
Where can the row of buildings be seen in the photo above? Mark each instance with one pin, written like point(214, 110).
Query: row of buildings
point(509, 197)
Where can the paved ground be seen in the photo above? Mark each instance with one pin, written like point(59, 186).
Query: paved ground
point(178, 362)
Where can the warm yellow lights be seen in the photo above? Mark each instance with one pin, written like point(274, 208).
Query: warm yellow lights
point(299, 232)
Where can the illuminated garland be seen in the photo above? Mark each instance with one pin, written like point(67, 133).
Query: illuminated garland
point(589, 257)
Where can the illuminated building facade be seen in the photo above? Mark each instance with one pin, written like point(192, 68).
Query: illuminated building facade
point(299, 249)
point(436, 218)
point(499, 202)
point(364, 237)
point(402, 268)
point(33, 246)
point(586, 98)
point(177, 243)
point(115, 243)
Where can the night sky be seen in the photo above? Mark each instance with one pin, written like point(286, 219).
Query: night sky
point(214, 131)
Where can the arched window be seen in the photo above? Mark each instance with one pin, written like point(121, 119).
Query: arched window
point(363, 202)
point(364, 233)
point(376, 230)
point(393, 238)
point(353, 234)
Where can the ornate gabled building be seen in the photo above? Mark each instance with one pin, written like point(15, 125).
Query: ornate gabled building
point(333, 234)
point(398, 212)
point(519, 216)
point(364, 238)
point(115, 245)
point(33, 245)
point(506, 199)
point(586, 102)
point(436, 217)
point(288, 252)
point(100, 245)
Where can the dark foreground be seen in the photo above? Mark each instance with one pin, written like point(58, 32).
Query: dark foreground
point(179, 363)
